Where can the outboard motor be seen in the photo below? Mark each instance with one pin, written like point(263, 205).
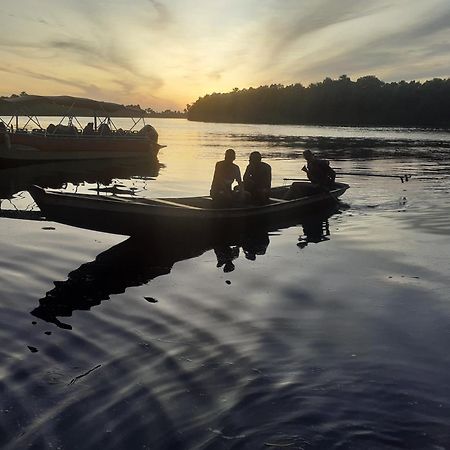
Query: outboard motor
point(149, 132)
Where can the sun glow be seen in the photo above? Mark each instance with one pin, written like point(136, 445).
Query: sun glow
point(165, 55)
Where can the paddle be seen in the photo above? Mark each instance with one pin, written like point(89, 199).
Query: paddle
point(403, 178)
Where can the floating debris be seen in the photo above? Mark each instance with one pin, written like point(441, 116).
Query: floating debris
point(84, 374)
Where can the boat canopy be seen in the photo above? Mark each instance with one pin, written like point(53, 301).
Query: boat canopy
point(64, 105)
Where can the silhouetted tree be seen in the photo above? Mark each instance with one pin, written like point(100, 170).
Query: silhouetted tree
point(367, 101)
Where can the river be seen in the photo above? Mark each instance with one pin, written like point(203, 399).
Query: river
point(333, 333)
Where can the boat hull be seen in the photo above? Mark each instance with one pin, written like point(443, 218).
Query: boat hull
point(133, 217)
point(33, 147)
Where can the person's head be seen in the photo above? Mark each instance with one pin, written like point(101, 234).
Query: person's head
point(255, 158)
point(230, 155)
point(308, 155)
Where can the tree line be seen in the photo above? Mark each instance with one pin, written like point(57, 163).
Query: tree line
point(367, 101)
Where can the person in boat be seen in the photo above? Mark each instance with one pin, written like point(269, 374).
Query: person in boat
point(225, 174)
point(258, 178)
point(51, 129)
point(3, 131)
point(318, 170)
point(104, 130)
point(63, 130)
point(88, 130)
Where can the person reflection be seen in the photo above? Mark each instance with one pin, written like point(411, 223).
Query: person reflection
point(315, 230)
point(252, 245)
point(225, 255)
point(255, 245)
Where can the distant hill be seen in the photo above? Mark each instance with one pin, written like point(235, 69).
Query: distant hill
point(63, 105)
point(367, 101)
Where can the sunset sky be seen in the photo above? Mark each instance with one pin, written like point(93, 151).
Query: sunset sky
point(166, 53)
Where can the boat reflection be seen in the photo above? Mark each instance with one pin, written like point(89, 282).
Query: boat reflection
point(57, 175)
point(137, 260)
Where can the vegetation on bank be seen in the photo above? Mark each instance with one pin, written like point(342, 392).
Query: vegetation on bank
point(367, 101)
point(167, 114)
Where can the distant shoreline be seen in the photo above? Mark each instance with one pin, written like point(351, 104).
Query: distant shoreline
point(366, 102)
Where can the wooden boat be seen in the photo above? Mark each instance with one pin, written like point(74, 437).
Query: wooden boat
point(130, 216)
point(69, 141)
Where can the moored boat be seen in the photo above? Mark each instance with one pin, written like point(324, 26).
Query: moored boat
point(130, 216)
point(99, 139)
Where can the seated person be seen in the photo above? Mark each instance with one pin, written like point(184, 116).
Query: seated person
point(51, 129)
point(3, 131)
point(88, 130)
point(225, 174)
point(104, 129)
point(258, 178)
point(318, 170)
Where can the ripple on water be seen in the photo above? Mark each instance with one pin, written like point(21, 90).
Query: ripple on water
point(336, 344)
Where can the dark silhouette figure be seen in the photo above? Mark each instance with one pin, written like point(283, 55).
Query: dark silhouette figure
point(225, 174)
point(318, 170)
point(316, 229)
point(258, 179)
point(104, 130)
point(88, 130)
point(225, 255)
point(255, 244)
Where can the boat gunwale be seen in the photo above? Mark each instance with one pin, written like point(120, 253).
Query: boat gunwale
point(173, 206)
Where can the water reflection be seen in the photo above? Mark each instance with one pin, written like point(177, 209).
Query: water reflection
point(58, 175)
point(138, 260)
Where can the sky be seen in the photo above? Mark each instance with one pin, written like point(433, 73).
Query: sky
point(168, 53)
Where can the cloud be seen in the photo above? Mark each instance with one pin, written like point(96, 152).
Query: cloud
point(93, 54)
point(298, 20)
point(413, 45)
point(164, 15)
point(45, 77)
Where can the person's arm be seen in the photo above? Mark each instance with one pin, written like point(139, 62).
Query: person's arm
point(246, 174)
point(330, 172)
point(268, 177)
point(237, 176)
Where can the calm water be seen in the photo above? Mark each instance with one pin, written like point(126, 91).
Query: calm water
point(333, 333)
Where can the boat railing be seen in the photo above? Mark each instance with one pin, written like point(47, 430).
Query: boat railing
point(79, 134)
